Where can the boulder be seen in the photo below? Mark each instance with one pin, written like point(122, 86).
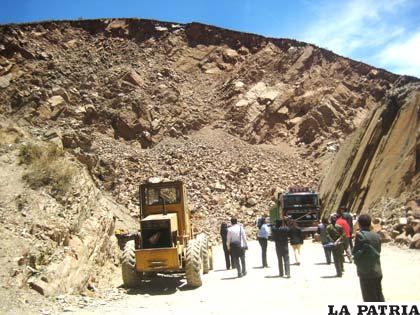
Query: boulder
point(230, 56)
point(5, 80)
point(238, 85)
point(44, 112)
point(385, 237)
point(283, 111)
point(294, 121)
point(242, 103)
point(402, 221)
point(40, 286)
point(395, 233)
point(56, 100)
point(268, 96)
point(415, 242)
point(75, 140)
point(329, 114)
point(134, 78)
point(416, 225)
point(250, 202)
point(414, 208)
point(219, 187)
point(308, 129)
point(403, 239)
point(59, 91)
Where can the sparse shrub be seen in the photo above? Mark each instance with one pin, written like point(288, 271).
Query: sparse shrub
point(47, 167)
point(9, 136)
point(29, 153)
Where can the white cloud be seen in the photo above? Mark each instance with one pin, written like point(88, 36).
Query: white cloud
point(402, 57)
point(376, 32)
point(356, 24)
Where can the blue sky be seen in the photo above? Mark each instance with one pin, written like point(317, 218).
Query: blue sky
point(383, 33)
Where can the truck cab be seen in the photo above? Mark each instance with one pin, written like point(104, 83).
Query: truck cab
point(299, 204)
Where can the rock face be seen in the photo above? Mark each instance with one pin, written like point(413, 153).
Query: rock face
point(185, 77)
point(53, 242)
point(380, 158)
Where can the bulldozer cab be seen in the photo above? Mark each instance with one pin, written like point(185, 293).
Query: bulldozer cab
point(164, 214)
point(159, 230)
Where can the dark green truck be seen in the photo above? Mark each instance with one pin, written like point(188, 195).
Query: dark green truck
point(299, 204)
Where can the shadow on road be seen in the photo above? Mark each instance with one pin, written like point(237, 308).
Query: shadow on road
point(161, 285)
point(269, 277)
point(229, 278)
point(329, 277)
point(321, 263)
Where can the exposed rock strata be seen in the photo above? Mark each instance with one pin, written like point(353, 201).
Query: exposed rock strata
point(381, 158)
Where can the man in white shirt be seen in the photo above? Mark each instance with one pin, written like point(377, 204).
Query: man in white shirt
point(236, 243)
point(263, 234)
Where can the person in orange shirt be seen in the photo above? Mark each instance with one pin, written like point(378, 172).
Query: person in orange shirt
point(346, 227)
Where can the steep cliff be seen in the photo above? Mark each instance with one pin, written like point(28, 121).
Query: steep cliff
point(381, 158)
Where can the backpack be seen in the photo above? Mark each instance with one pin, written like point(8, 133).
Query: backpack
point(367, 254)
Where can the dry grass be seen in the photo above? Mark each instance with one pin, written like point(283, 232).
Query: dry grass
point(9, 136)
point(47, 167)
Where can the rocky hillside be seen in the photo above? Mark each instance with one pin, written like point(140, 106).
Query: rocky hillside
point(144, 80)
point(236, 116)
point(135, 83)
point(56, 226)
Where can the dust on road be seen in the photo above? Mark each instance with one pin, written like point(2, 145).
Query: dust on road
point(311, 288)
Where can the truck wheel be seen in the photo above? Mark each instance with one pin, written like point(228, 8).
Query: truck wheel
point(193, 263)
point(202, 238)
point(211, 258)
point(131, 277)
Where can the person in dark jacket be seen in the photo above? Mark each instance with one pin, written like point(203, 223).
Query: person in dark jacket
point(366, 251)
point(280, 235)
point(228, 255)
point(336, 236)
point(322, 231)
point(296, 240)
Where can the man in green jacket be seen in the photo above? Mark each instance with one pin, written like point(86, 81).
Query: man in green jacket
point(336, 236)
point(366, 252)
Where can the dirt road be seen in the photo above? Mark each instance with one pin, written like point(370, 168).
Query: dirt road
point(312, 287)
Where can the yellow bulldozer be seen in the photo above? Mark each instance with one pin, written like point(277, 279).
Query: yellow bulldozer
point(166, 242)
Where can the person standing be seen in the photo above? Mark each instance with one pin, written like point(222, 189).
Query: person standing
point(280, 235)
point(228, 255)
point(349, 218)
point(237, 244)
point(341, 221)
point(336, 235)
point(322, 231)
point(296, 240)
point(366, 251)
point(263, 234)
